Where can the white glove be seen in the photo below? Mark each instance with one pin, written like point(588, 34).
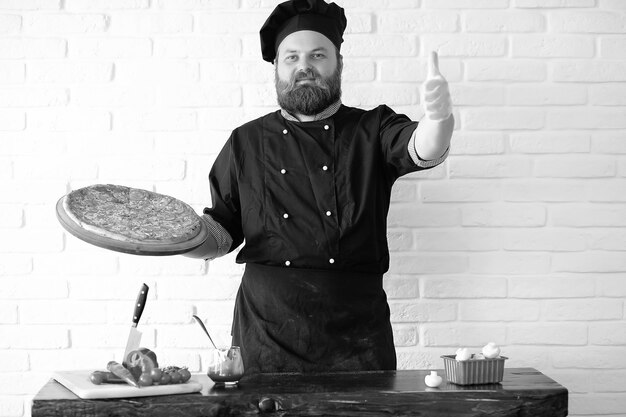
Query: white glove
point(435, 92)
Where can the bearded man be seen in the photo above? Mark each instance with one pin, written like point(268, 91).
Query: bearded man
point(307, 189)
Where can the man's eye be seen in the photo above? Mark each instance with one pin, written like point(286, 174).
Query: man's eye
point(318, 56)
point(290, 58)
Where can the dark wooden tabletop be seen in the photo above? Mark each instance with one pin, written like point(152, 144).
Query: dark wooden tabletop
point(523, 392)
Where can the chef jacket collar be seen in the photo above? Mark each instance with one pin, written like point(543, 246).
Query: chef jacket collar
point(324, 114)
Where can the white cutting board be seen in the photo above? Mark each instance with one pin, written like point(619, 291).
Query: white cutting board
point(78, 382)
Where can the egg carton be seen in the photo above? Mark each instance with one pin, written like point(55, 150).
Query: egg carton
point(474, 371)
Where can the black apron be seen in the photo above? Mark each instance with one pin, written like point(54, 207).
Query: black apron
point(312, 320)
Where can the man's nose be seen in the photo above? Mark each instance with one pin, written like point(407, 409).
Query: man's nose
point(304, 64)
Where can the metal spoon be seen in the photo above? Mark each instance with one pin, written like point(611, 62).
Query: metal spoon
point(204, 328)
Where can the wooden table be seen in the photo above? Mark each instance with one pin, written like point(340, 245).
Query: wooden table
point(523, 392)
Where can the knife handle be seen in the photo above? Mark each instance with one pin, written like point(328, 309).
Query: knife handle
point(140, 304)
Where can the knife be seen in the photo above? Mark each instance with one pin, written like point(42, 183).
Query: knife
point(134, 337)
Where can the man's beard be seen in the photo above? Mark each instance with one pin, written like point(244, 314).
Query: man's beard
point(311, 98)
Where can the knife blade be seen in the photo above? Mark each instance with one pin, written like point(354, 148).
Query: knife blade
point(134, 336)
point(121, 372)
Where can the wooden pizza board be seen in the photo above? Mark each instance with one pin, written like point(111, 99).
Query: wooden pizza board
point(129, 247)
point(78, 382)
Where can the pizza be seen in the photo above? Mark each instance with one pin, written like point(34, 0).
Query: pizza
point(131, 215)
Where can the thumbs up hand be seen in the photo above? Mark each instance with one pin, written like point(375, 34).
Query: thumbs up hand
point(435, 92)
point(434, 130)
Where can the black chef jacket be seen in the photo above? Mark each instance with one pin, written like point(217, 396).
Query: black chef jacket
point(312, 194)
point(310, 200)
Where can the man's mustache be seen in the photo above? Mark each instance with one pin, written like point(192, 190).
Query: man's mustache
point(306, 74)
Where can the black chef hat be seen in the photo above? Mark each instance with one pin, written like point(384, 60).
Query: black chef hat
point(295, 15)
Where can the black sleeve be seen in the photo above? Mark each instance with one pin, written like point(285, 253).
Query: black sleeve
point(395, 131)
point(226, 208)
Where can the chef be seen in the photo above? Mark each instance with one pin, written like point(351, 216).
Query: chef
point(306, 190)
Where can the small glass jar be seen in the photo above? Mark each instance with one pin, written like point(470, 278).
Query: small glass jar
point(225, 366)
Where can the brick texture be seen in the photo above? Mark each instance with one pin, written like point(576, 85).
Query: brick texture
point(518, 238)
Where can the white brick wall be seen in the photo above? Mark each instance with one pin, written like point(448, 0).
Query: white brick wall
point(519, 238)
